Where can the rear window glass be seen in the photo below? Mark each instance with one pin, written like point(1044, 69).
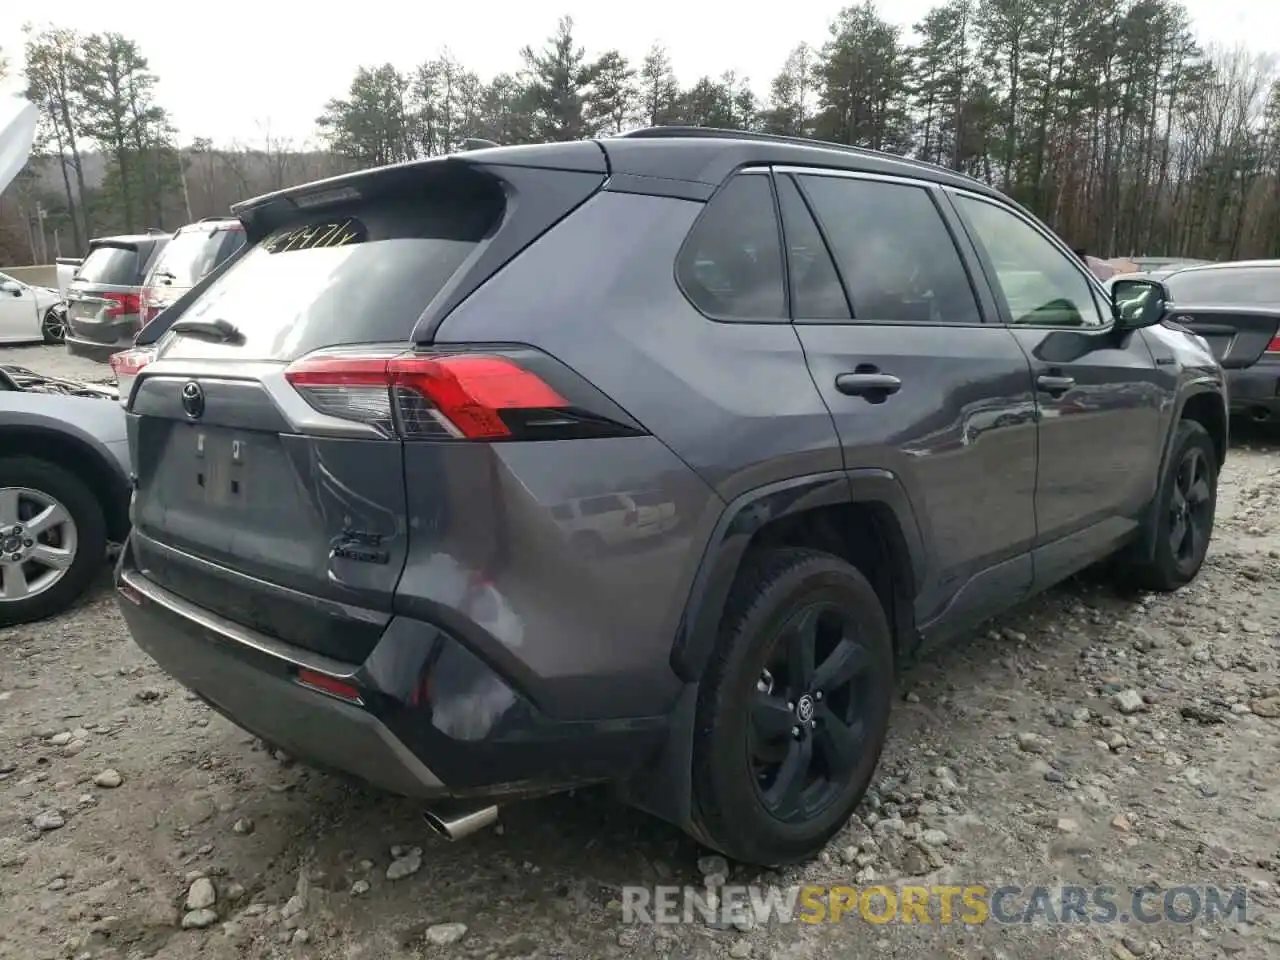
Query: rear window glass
point(359, 276)
point(1238, 286)
point(113, 266)
point(192, 254)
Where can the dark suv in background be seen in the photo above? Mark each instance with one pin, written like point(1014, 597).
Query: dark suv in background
point(104, 298)
point(866, 402)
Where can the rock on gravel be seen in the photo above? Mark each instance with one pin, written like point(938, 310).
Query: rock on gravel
point(1128, 701)
point(199, 919)
point(406, 865)
point(108, 780)
point(202, 895)
point(48, 820)
point(443, 934)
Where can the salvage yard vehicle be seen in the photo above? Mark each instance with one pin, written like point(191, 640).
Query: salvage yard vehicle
point(104, 298)
point(64, 461)
point(29, 313)
point(347, 523)
point(64, 490)
point(194, 251)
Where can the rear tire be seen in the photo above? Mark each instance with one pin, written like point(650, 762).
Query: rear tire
point(35, 484)
point(763, 714)
point(1184, 505)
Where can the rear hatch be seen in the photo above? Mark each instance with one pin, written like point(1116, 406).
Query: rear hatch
point(193, 252)
point(267, 436)
point(1238, 336)
point(103, 299)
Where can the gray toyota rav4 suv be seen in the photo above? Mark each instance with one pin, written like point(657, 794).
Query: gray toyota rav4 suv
point(641, 460)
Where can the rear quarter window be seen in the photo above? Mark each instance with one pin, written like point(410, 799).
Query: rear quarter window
point(111, 266)
point(730, 266)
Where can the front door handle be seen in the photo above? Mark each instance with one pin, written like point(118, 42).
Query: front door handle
point(1055, 386)
point(873, 387)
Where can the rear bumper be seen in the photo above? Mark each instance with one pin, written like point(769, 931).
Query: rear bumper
point(432, 719)
point(1255, 391)
point(94, 349)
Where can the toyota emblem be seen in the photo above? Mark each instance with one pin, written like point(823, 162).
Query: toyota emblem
point(193, 399)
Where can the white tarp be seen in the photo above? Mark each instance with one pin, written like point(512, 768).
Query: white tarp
point(18, 117)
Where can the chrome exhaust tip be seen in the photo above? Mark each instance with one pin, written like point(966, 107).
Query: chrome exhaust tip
point(1259, 414)
point(453, 821)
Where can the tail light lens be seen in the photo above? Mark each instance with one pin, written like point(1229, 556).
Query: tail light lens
point(149, 309)
point(125, 365)
point(448, 396)
point(1274, 345)
point(122, 304)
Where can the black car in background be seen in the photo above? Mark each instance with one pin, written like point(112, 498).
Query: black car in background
point(1253, 391)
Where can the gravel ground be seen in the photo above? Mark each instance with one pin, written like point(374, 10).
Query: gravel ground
point(1085, 739)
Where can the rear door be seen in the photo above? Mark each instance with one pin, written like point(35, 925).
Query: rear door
point(893, 328)
point(1099, 393)
point(267, 434)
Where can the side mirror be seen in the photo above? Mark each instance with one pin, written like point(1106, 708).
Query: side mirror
point(1138, 303)
point(12, 286)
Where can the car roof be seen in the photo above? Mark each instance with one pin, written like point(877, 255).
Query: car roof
point(128, 238)
point(699, 157)
point(1232, 265)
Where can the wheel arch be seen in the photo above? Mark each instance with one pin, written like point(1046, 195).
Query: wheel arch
point(79, 456)
point(1203, 403)
point(809, 510)
point(766, 515)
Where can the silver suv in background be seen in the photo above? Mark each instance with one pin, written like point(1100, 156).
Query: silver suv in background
point(193, 252)
point(104, 298)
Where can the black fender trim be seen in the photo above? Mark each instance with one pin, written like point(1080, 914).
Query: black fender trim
point(1143, 548)
point(751, 511)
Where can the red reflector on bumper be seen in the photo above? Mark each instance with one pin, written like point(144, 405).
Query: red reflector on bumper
point(330, 685)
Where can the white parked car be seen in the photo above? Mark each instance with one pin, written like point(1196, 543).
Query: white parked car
point(30, 313)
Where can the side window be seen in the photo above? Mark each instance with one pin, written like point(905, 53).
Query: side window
point(1041, 284)
point(731, 263)
point(893, 250)
point(816, 293)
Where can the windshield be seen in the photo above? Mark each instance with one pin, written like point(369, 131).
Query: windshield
point(1230, 287)
point(193, 253)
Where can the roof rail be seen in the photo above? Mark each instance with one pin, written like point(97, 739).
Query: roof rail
point(478, 143)
point(212, 219)
point(721, 133)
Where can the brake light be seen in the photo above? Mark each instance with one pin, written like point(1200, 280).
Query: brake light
point(1274, 345)
point(125, 365)
point(464, 396)
point(122, 304)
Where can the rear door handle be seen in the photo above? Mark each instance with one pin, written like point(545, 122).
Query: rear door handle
point(1055, 386)
point(870, 386)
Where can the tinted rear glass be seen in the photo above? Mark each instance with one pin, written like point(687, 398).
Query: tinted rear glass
point(359, 276)
point(1238, 286)
point(193, 253)
point(112, 266)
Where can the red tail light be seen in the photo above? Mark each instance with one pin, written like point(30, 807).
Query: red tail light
point(465, 396)
point(122, 304)
point(1274, 345)
point(126, 364)
point(327, 684)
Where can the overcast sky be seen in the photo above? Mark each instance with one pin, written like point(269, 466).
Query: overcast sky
point(230, 69)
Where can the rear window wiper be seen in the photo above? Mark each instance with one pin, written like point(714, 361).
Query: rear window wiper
point(222, 331)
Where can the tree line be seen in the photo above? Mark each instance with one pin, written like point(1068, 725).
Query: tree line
point(1104, 117)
